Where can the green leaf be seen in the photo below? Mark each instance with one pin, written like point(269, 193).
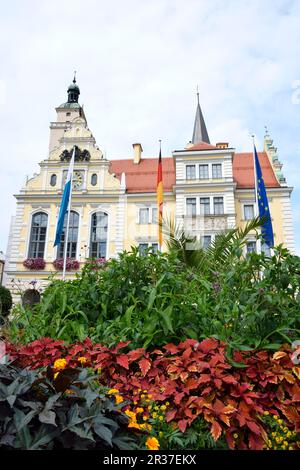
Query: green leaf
point(48, 417)
point(104, 433)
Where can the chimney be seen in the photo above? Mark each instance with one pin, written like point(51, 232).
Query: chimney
point(137, 153)
point(222, 145)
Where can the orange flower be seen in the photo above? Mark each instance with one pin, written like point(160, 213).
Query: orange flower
point(60, 364)
point(152, 443)
point(119, 399)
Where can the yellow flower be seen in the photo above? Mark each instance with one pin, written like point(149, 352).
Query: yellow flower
point(161, 418)
point(119, 399)
point(275, 417)
point(82, 360)
point(280, 421)
point(113, 390)
point(149, 407)
point(291, 448)
point(150, 396)
point(139, 410)
point(167, 403)
point(154, 415)
point(266, 413)
point(60, 364)
point(156, 408)
point(142, 396)
point(163, 407)
point(131, 414)
point(145, 418)
point(152, 443)
point(286, 443)
point(273, 434)
point(145, 391)
point(235, 435)
point(288, 434)
point(135, 402)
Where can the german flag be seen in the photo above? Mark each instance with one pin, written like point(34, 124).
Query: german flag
point(160, 198)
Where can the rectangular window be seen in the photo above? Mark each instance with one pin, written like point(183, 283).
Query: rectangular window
point(144, 215)
point(154, 247)
point(206, 241)
point(190, 172)
point(191, 206)
point(203, 172)
point(154, 215)
point(248, 211)
point(251, 247)
point(216, 170)
point(204, 205)
point(218, 205)
point(143, 248)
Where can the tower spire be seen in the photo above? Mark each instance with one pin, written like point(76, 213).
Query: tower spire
point(200, 131)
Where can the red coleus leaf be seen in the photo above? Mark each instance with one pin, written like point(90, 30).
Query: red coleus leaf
point(254, 427)
point(144, 365)
point(216, 430)
point(182, 424)
point(122, 360)
point(204, 378)
point(171, 348)
point(170, 415)
point(208, 345)
point(121, 345)
point(136, 354)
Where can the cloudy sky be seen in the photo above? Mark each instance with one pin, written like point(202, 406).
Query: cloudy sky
point(138, 64)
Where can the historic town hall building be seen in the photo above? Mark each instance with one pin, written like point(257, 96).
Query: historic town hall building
point(114, 202)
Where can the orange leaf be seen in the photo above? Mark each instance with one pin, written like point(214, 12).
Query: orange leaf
point(144, 365)
point(216, 430)
point(279, 355)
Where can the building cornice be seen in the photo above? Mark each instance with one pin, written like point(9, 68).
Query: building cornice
point(186, 153)
point(282, 189)
point(211, 183)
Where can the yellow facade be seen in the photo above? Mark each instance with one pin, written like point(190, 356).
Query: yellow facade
point(124, 227)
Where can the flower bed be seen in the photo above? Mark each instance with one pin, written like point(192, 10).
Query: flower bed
point(71, 264)
point(35, 264)
point(253, 404)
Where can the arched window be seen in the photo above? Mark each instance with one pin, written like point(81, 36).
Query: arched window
point(38, 235)
point(98, 240)
point(53, 180)
point(94, 179)
point(72, 236)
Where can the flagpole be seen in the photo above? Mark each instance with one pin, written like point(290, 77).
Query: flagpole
point(67, 228)
point(159, 218)
point(255, 192)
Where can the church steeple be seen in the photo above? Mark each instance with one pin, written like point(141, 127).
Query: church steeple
point(200, 131)
point(73, 91)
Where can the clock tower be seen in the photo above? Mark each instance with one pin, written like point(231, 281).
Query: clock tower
point(66, 113)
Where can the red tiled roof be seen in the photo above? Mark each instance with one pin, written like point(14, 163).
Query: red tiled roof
point(243, 172)
point(141, 178)
point(202, 146)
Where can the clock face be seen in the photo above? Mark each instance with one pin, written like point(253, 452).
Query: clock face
point(77, 179)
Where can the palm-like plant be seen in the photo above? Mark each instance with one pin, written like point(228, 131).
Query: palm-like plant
point(227, 247)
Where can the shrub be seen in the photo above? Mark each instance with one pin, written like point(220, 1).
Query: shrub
point(41, 412)
point(189, 387)
point(71, 264)
point(155, 299)
point(34, 263)
point(5, 301)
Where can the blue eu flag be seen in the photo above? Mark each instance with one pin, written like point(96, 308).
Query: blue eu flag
point(263, 205)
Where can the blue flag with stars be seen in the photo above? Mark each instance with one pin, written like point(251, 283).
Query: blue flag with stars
point(263, 205)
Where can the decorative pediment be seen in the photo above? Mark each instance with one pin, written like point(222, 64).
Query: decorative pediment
point(80, 155)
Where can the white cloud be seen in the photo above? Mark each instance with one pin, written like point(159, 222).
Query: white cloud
point(138, 66)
